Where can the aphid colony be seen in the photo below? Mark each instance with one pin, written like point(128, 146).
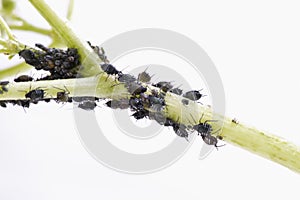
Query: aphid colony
point(144, 102)
point(62, 64)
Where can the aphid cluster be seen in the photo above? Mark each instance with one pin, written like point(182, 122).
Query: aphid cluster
point(144, 101)
point(62, 64)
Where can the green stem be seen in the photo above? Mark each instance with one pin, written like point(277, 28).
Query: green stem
point(70, 9)
point(6, 28)
point(13, 71)
point(99, 86)
point(88, 57)
point(28, 27)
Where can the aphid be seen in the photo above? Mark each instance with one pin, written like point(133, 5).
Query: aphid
point(3, 104)
point(136, 103)
point(176, 91)
point(180, 130)
point(121, 104)
point(23, 78)
point(3, 84)
point(135, 89)
point(110, 69)
point(23, 103)
point(30, 58)
point(193, 95)
point(185, 102)
point(164, 86)
point(63, 96)
point(87, 105)
point(35, 95)
point(140, 114)
point(203, 127)
point(99, 51)
point(156, 100)
point(210, 140)
point(144, 77)
point(126, 78)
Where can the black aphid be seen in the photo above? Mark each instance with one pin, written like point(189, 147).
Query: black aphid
point(23, 103)
point(63, 95)
point(211, 140)
point(110, 69)
point(156, 100)
point(164, 86)
point(87, 105)
point(180, 130)
point(3, 83)
point(126, 78)
point(203, 127)
point(144, 77)
point(135, 88)
point(136, 103)
point(100, 52)
point(35, 95)
point(121, 104)
point(176, 91)
point(140, 114)
point(193, 95)
point(3, 104)
point(23, 78)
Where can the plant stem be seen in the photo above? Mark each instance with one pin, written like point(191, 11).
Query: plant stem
point(15, 70)
point(256, 141)
point(90, 59)
point(99, 86)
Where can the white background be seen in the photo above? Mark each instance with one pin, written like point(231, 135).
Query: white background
point(255, 46)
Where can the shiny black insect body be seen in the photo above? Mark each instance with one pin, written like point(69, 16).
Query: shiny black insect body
point(23, 103)
point(136, 103)
point(193, 95)
point(63, 95)
point(164, 86)
point(140, 114)
point(23, 78)
point(180, 130)
point(3, 104)
point(35, 95)
point(110, 69)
